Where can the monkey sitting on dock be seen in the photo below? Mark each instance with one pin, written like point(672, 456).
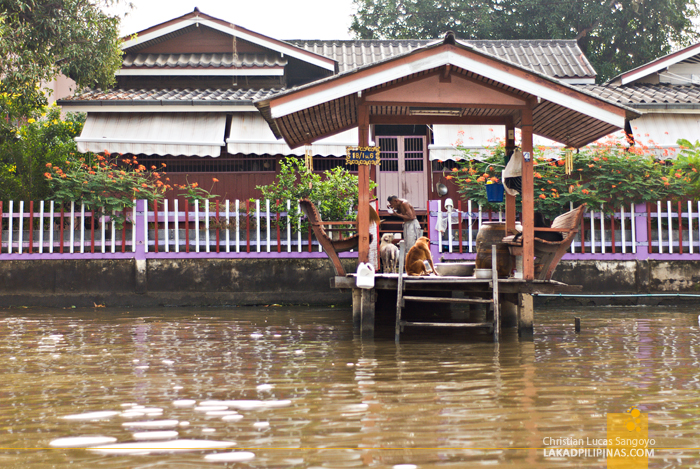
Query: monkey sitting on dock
point(417, 256)
point(389, 253)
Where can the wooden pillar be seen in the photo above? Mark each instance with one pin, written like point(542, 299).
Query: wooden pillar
point(528, 197)
point(526, 315)
point(368, 299)
point(510, 199)
point(363, 173)
point(356, 308)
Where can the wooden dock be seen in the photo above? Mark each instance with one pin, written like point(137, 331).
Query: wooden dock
point(515, 295)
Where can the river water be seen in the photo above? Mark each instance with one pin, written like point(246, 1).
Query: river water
point(281, 387)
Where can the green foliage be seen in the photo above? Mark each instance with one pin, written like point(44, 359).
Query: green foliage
point(604, 175)
point(39, 39)
point(45, 138)
point(102, 183)
point(192, 191)
point(688, 163)
point(334, 192)
point(615, 35)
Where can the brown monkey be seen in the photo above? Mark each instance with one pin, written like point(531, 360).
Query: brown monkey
point(416, 256)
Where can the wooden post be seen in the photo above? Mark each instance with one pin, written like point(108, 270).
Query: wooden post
point(356, 308)
point(528, 209)
point(510, 199)
point(526, 315)
point(369, 297)
point(363, 173)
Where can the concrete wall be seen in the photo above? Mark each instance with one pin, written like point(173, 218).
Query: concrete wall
point(201, 282)
point(156, 282)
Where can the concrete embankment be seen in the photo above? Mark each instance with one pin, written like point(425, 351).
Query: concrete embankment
point(218, 282)
point(166, 282)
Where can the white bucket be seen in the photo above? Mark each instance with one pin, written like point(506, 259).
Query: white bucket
point(365, 276)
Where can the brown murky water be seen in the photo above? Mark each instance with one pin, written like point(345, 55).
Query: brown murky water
point(329, 399)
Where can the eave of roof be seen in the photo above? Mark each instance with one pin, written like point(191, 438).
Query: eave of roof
point(196, 18)
point(655, 65)
point(650, 96)
point(306, 100)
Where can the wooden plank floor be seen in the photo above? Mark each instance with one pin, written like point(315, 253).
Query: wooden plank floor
point(505, 285)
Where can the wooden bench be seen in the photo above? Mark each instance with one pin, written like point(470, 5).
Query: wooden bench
point(330, 247)
point(549, 253)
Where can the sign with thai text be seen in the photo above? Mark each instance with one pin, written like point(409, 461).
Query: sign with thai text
point(362, 155)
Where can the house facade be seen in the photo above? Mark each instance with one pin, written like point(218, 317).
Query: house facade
point(185, 97)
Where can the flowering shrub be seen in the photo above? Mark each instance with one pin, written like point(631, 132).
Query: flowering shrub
point(101, 182)
point(604, 175)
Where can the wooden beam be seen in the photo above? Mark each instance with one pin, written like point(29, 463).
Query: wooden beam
point(510, 199)
point(430, 120)
point(363, 173)
point(528, 197)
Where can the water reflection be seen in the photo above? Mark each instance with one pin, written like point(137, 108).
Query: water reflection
point(292, 387)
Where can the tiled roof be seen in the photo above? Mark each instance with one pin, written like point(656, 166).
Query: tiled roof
point(641, 96)
point(174, 95)
point(554, 58)
point(202, 61)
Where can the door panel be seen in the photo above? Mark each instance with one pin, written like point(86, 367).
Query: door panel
point(402, 170)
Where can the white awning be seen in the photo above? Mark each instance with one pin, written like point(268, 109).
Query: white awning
point(250, 134)
point(188, 134)
point(476, 138)
point(664, 130)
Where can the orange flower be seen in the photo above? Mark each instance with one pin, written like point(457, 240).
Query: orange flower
point(91, 172)
point(481, 179)
point(591, 165)
point(550, 182)
point(153, 167)
point(194, 184)
point(448, 177)
point(664, 178)
point(144, 185)
point(561, 162)
point(679, 175)
point(214, 179)
point(585, 191)
point(596, 159)
point(47, 176)
point(455, 169)
point(494, 179)
point(542, 196)
point(614, 186)
point(537, 175)
point(48, 165)
point(163, 165)
point(467, 180)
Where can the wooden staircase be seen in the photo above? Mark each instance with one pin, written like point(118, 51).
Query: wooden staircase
point(405, 280)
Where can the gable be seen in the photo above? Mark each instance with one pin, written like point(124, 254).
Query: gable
point(202, 40)
point(454, 90)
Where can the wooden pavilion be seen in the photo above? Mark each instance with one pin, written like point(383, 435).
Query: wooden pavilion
point(445, 82)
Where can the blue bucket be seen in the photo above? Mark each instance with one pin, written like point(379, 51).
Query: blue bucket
point(494, 192)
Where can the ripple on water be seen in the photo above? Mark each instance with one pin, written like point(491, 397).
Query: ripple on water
point(152, 424)
point(104, 414)
point(236, 456)
point(173, 446)
point(81, 441)
point(150, 436)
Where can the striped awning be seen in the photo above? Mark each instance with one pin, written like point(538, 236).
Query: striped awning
point(187, 134)
point(251, 135)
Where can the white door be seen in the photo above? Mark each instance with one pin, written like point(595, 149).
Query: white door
point(402, 170)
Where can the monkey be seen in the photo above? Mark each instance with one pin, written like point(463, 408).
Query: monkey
point(416, 257)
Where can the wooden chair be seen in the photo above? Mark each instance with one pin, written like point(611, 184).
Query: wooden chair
point(549, 253)
point(330, 247)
